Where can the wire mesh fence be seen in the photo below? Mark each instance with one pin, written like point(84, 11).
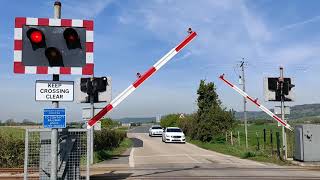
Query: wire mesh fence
point(72, 154)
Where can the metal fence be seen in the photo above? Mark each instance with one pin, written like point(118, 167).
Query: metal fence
point(72, 154)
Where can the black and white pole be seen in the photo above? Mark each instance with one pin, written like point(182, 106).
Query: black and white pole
point(284, 135)
point(54, 131)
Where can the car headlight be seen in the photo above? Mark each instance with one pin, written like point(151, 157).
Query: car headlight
point(167, 136)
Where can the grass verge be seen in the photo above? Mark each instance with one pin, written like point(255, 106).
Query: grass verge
point(240, 151)
point(103, 155)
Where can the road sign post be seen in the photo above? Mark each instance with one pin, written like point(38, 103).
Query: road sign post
point(54, 131)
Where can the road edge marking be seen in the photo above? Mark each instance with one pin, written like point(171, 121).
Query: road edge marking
point(131, 158)
point(193, 159)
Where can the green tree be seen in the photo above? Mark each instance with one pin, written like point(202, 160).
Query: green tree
point(211, 120)
point(169, 120)
point(109, 123)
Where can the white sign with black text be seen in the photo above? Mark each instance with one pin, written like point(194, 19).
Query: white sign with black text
point(54, 90)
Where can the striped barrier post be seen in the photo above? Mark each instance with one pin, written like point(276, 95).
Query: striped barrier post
point(255, 101)
point(166, 58)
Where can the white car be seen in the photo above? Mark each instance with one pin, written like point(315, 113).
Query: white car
point(173, 134)
point(155, 130)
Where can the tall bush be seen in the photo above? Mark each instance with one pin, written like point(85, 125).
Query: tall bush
point(169, 120)
point(211, 120)
point(107, 139)
point(11, 151)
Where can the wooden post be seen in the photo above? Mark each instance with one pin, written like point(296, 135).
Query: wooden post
point(231, 138)
point(258, 143)
point(278, 145)
point(239, 138)
point(271, 141)
point(226, 137)
point(264, 138)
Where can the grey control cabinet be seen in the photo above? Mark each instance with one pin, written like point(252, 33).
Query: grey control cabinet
point(307, 142)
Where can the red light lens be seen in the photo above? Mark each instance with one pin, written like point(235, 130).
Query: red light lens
point(36, 37)
point(71, 38)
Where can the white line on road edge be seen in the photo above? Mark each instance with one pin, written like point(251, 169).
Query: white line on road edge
point(193, 159)
point(131, 158)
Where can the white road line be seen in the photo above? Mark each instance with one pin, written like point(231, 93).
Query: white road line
point(172, 155)
point(193, 159)
point(160, 155)
point(131, 158)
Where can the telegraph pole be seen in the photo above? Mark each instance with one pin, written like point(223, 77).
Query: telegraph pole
point(54, 131)
point(244, 102)
point(284, 135)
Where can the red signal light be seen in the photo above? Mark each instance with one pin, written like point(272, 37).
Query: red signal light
point(71, 38)
point(36, 36)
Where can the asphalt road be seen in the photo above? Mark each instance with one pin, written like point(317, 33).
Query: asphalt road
point(150, 158)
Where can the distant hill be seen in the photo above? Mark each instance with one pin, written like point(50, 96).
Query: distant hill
point(141, 120)
point(297, 112)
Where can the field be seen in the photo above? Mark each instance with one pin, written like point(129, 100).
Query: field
point(258, 149)
point(15, 132)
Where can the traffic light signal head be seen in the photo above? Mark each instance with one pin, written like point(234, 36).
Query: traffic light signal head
point(97, 89)
point(53, 46)
point(273, 87)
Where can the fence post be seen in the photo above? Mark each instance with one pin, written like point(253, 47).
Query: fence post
point(226, 136)
point(231, 138)
point(271, 141)
point(264, 138)
point(278, 145)
point(258, 143)
point(239, 138)
point(26, 152)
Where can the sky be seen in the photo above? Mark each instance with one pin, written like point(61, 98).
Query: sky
point(131, 35)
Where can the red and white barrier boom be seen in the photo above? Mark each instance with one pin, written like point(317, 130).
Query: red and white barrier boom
point(115, 102)
point(255, 101)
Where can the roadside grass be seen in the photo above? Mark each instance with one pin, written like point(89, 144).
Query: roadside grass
point(123, 128)
point(12, 132)
point(107, 154)
point(258, 149)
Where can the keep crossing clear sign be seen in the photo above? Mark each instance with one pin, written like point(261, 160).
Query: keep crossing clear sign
point(54, 90)
point(54, 118)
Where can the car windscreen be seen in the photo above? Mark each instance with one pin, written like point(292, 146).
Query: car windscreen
point(156, 128)
point(173, 130)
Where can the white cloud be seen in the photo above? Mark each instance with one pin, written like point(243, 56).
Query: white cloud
point(255, 27)
point(299, 24)
point(83, 8)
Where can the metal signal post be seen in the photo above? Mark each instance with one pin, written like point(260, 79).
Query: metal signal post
point(54, 131)
point(284, 135)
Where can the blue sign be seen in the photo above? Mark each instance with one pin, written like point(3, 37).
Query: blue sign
point(54, 118)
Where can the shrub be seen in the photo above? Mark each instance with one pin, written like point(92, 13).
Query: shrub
point(169, 120)
point(109, 123)
point(248, 155)
point(11, 151)
point(108, 139)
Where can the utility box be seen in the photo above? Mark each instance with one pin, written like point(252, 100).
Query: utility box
point(307, 142)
